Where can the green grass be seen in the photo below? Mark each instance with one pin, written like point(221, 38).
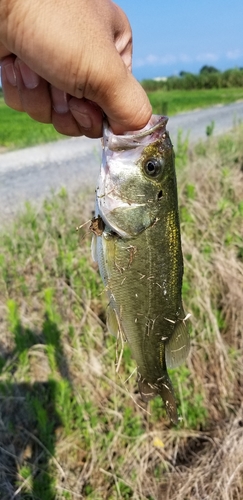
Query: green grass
point(176, 101)
point(18, 130)
point(69, 427)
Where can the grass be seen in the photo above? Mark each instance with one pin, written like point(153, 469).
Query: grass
point(177, 101)
point(69, 428)
point(18, 130)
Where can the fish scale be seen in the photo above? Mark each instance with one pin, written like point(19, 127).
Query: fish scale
point(139, 254)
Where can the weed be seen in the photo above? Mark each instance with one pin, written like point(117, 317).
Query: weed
point(201, 148)
point(192, 402)
point(210, 129)
point(190, 190)
point(181, 150)
point(68, 426)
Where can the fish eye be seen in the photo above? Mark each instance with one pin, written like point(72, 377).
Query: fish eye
point(153, 167)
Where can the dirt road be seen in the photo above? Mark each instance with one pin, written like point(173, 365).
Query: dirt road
point(32, 173)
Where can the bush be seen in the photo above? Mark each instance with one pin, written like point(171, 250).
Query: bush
point(208, 78)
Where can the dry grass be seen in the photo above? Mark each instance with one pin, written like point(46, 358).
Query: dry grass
point(68, 426)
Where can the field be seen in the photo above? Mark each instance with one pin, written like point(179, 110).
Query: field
point(19, 130)
point(176, 101)
point(70, 426)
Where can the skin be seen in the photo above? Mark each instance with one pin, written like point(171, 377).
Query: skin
point(139, 255)
point(66, 62)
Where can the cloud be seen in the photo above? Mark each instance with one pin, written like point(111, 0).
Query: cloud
point(233, 54)
point(207, 57)
point(185, 58)
point(155, 60)
point(171, 59)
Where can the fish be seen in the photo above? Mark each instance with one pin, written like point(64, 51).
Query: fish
point(138, 250)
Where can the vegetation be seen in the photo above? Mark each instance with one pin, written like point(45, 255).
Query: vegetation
point(170, 96)
point(208, 88)
point(177, 101)
point(208, 78)
point(70, 426)
point(18, 130)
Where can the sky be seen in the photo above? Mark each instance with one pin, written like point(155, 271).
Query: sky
point(170, 36)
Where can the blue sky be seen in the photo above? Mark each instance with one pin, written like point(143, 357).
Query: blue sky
point(174, 35)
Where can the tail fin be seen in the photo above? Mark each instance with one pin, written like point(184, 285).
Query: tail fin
point(162, 387)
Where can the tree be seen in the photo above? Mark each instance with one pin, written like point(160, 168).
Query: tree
point(208, 69)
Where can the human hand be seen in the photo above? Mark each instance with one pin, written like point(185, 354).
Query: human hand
point(67, 62)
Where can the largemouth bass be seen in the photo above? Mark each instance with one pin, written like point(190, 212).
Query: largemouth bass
point(138, 249)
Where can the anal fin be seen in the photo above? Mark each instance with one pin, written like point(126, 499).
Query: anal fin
point(178, 346)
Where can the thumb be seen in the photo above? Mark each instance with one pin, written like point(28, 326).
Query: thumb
point(121, 97)
point(129, 107)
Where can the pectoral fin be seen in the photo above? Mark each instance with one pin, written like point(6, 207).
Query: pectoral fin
point(111, 321)
point(94, 254)
point(178, 346)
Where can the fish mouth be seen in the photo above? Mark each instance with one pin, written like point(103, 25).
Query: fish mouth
point(130, 140)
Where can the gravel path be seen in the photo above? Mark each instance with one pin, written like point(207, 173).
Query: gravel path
point(32, 173)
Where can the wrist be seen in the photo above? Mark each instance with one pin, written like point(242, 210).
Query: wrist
point(5, 14)
point(12, 15)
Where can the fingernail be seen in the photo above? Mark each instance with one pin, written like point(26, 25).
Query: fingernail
point(30, 78)
point(82, 118)
point(61, 108)
point(59, 101)
point(10, 74)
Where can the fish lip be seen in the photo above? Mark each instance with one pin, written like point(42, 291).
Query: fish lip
point(131, 140)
